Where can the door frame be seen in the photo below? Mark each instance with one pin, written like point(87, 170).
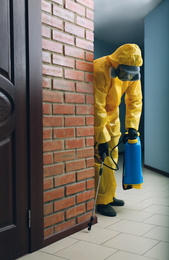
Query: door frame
point(35, 125)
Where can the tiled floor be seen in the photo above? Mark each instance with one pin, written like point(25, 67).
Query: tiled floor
point(140, 231)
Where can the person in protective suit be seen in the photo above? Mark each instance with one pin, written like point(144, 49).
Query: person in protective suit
point(114, 75)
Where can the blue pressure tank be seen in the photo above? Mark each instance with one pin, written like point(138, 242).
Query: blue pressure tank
point(132, 167)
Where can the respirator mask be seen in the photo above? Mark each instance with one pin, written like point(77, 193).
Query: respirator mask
point(126, 72)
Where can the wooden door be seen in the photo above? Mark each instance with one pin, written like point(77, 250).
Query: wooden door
point(14, 185)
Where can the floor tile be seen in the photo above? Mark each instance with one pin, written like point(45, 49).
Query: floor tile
point(136, 205)
point(159, 233)
point(134, 215)
point(86, 251)
point(158, 201)
point(160, 251)
point(59, 245)
point(130, 243)
point(40, 256)
point(120, 255)
point(159, 220)
point(131, 227)
point(161, 210)
point(104, 221)
point(96, 235)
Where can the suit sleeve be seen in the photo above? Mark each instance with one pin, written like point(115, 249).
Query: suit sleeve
point(102, 82)
point(133, 100)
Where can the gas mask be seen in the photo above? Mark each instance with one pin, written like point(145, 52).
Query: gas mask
point(126, 73)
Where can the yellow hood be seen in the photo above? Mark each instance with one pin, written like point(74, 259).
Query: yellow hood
point(127, 54)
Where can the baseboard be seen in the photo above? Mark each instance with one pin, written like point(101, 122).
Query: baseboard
point(67, 232)
point(156, 170)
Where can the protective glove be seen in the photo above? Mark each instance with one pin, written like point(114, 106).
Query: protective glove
point(132, 134)
point(103, 148)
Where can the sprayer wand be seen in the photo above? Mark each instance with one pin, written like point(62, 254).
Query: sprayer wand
point(100, 174)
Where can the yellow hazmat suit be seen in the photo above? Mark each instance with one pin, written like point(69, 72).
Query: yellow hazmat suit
point(108, 93)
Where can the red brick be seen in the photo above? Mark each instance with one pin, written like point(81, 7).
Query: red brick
point(53, 194)
point(90, 184)
point(84, 87)
point(51, 70)
point(63, 61)
point(89, 99)
point(63, 37)
point(84, 217)
point(90, 120)
point(51, 170)
point(52, 145)
point(89, 14)
point(47, 133)
point(47, 158)
point(63, 85)
point(86, 23)
point(75, 188)
point(74, 98)
point(90, 141)
point(53, 219)
point(52, 21)
point(52, 96)
point(75, 143)
point(64, 203)
point(45, 31)
point(76, 165)
point(46, 6)
point(63, 13)
point(89, 56)
point(63, 109)
point(48, 209)
point(85, 196)
point(48, 183)
point(64, 156)
point(74, 74)
point(90, 205)
point(48, 232)
point(46, 82)
point(47, 109)
point(64, 133)
point(52, 121)
point(90, 36)
point(88, 3)
point(89, 77)
point(65, 225)
point(51, 46)
point(85, 174)
point(83, 109)
point(46, 57)
point(70, 213)
point(74, 29)
point(90, 162)
point(74, 52)
point(84, 44)
point(84, 153)
point(74, 121)
point(83, 65)
point(77, 8)
point(58, 1)
point(64, 179)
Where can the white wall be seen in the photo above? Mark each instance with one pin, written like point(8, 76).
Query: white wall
point(156, 92)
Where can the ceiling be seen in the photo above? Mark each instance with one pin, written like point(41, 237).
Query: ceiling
point(122, 21)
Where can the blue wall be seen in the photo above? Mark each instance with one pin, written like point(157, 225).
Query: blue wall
point(156, 93)
point(102, 48)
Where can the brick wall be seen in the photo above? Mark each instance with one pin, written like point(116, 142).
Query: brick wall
point(67, 42)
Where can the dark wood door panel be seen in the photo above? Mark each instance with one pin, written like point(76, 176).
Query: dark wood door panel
point(14, 185)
